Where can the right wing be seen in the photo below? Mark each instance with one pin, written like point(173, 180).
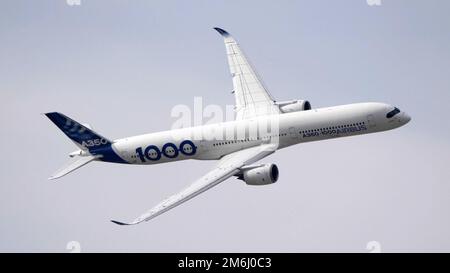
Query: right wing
point(252, 98)
point(228, 166)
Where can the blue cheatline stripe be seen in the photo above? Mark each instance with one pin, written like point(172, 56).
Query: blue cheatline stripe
point(108, 155)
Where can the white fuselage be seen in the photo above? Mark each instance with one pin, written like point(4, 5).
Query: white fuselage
point(291, 128)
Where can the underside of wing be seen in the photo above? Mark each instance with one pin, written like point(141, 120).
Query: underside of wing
point(228, 166)
point(252, 98)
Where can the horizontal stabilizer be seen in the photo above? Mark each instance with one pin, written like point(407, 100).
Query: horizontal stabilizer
point(72, 166)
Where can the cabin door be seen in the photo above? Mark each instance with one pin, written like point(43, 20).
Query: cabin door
point(371, 122)
point(293, 133)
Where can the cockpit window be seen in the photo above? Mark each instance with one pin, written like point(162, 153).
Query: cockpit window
point(393, 113)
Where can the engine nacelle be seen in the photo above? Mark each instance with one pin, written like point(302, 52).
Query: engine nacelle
point(262, 175)
point(294, 106)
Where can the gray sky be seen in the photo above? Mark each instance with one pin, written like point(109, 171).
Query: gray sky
point(123, 65)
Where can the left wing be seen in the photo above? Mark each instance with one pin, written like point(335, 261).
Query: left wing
point(252, 97)
point(228, 166)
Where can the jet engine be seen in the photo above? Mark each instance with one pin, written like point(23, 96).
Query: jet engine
point(259, 175)
point(294, 106)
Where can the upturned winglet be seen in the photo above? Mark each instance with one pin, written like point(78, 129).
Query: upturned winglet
point(222, 32)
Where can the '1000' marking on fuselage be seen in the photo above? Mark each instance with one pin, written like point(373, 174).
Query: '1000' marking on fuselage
point(169, 150)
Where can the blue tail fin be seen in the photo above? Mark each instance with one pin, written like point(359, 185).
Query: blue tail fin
point(84, 137)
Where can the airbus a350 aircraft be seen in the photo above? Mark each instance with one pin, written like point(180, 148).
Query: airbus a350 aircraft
point(290, 122)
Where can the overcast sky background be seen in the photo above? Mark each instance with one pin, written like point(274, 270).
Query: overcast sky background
point(123, 65)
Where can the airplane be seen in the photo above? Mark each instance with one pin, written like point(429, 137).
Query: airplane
point(283, 124)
